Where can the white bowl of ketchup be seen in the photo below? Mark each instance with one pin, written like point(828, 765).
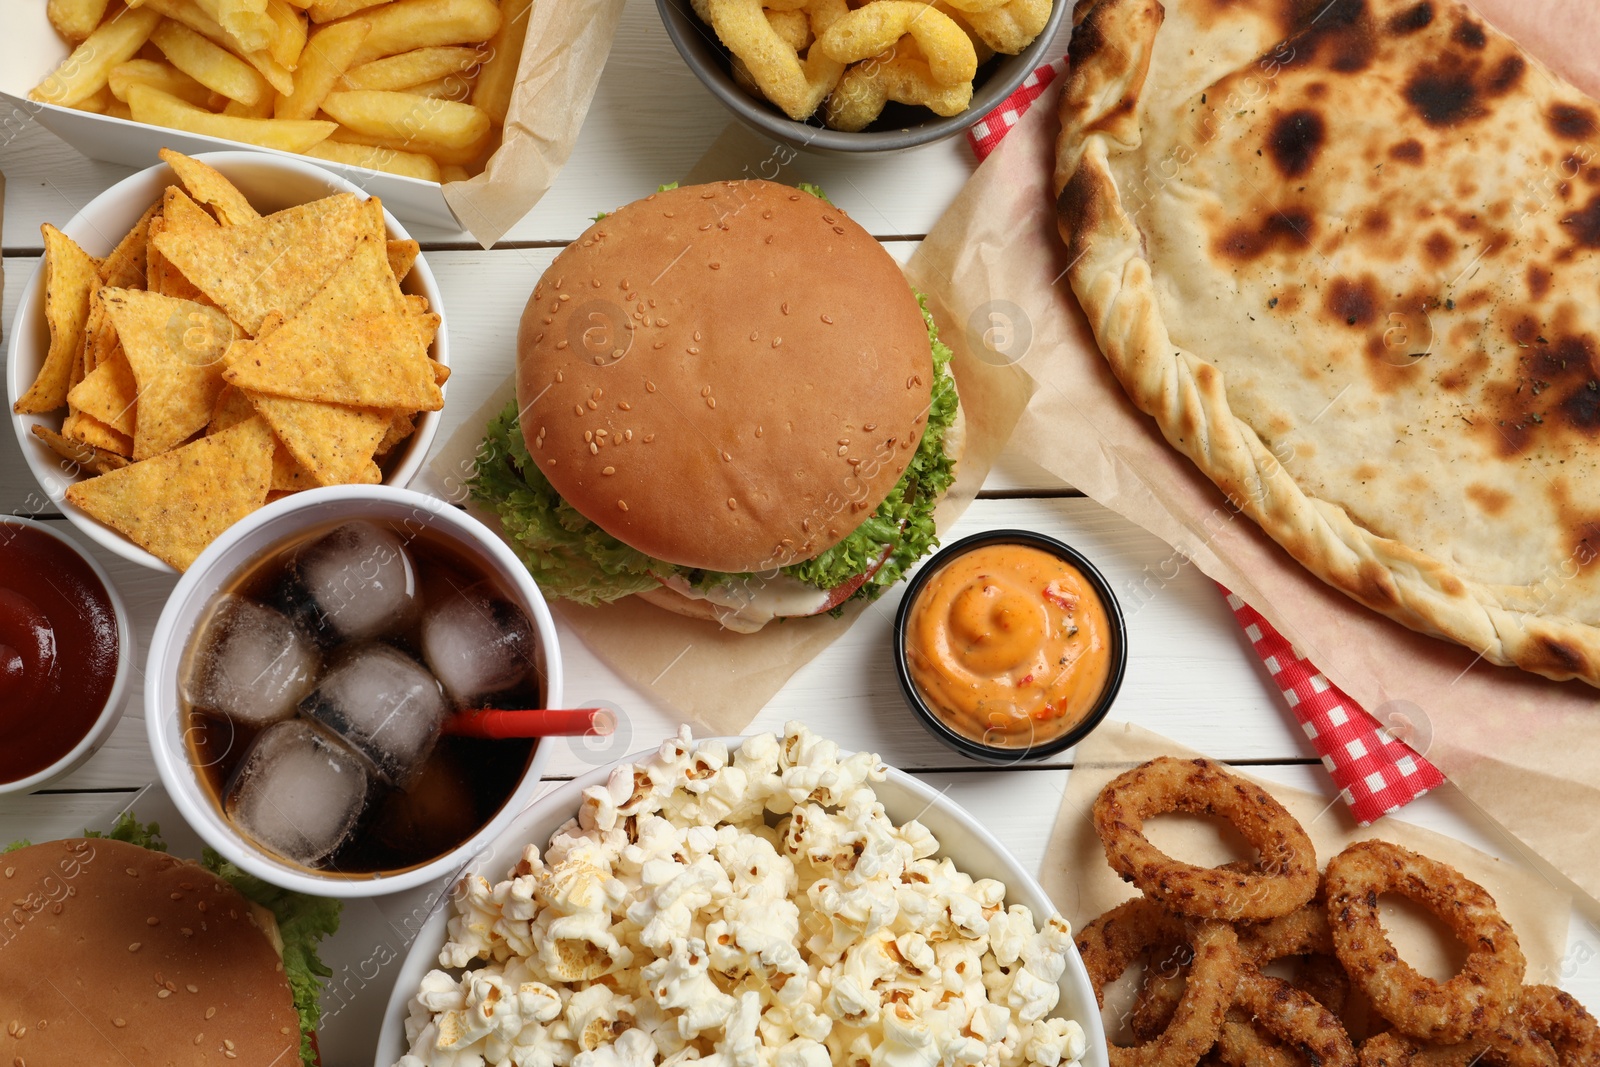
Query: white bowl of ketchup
point(66, 651)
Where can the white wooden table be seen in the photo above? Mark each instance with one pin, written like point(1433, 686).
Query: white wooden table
point(1191, 675)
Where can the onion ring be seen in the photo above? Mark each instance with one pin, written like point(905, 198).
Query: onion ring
point(1305, 1029)
point(1473, 1002)
point(1320, 977)
point(1165, 973)
point(1109, 946)
point(1556, 1016)
point(1390, 1049)
point(1284, 879)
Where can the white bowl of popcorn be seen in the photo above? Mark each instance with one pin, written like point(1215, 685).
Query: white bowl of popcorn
point(747, 901)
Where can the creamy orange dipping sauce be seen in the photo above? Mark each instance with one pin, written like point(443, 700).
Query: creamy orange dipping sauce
point(1009, 645)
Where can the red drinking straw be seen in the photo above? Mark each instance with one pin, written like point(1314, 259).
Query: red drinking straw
point(497, 725)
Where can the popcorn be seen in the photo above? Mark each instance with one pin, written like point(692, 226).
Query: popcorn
point(753, 908)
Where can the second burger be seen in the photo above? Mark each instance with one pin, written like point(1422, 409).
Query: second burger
point(729, 402)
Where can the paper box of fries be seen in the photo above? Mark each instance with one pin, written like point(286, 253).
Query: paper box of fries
point(416, 101)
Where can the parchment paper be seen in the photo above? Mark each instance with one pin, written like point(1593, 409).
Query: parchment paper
point(712, 676)
point(562, 57)
point(1079, 880)
point(1525, 750)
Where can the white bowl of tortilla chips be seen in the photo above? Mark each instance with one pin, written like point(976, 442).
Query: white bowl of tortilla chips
point(265, 347)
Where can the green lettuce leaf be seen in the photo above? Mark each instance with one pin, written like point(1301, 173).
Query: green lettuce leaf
point(131, 831)
point(303, 921)
point(572, 558)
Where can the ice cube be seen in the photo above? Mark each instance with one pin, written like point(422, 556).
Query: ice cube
point(299, 792)
point(356, 583)
point(253, 665)
point(385, 704)
point(477, 644)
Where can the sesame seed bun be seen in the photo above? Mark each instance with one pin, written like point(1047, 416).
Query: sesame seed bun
point(729, 377)
point(112, 953)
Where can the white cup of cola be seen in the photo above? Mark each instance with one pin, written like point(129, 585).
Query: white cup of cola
point(302, 670)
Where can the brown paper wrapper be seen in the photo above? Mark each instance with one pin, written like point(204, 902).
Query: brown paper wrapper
point(1082, 884)
point(1524, 749)
point(562, 57)
point(715, 677)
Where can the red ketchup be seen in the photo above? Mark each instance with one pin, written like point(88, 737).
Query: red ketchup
point(58, 650)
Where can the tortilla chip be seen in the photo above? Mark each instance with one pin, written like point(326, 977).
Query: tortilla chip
point(125, 267)
point(353, 343)
point(175, 349)
point(401, 426)
point(110, 393)
point(70, 276)
point(273, 263)
point(441, 373)
point(175, 504)
point(209, 187)
point(93, 326)
point(180, 214)
point(91, 431)
point(233, 407)
point(94, 460)
point(333, 442)
point(402, 256)
point(161, 276)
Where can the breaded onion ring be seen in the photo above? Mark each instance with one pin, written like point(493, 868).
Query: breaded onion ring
point(1283, 879)
point(1391, 1049)
point(1321, 978)
point(1305, 1030)
point(1557, 1016)
point(1471, 1004)
point(1109, 946)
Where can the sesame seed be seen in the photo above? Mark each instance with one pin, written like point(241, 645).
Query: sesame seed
point(131, 872)
point(602, 433)
point(577, 409)
point(564, 297)
point(199, 1038)
point(591, 405)
point(558, 283)
point(227, 1045)
point(623, 504)
point(627, 435)
point(706, 391)
point(599, 362)
point(211, 1013)
point(697, 335)
point(560, 377)
point(625, 406)
point(588, 435)
point(609, 470)
point(796, 196)
point(57, 909)
point(829, 219)
point(649, 437)
point(785, 307)
point(828, 319)
point(597, 394)
point(715, 266)
point(650, 300)
point(711, 402)
point(758, 431)
point(171, 987)
point(776, 341)
point(805, 524)
point(733, 505)
point(625, 285)
point(547, 321)
point(135, 946)
point(659, 344)
point(855, 461)
point(755, 335)
point(11, 872)
point(594, 449)
point(192, 988)
point(661, 322)
point(152, 921)
point(561, 344)
point(726, 458)
point(616, 353)
point(595, 283)
point(163, 993)
point(911, 381)
point(869, 427)
point(766, 214)
point(843, 449)
point(769, 239)
point(119, 1022)
point(836, 229)
point(693, 351)
point(649, 387)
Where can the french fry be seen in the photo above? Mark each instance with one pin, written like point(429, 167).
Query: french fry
point(453, 172)
point(470, 156)
point(418, 124)
point(209, 64)
point(246, 20)
point(412, 68)
point(289, 36)
point(450, 87)
point(162, 109)
point(327, 54)
point(498, 75)
point(96, 102)
point(75, 19)
point(84, 72)
point(158, 75)
point(328, 10)
point(117, 109)
point(407, 24)
point(393, 161)
point(192, 15)
point(261, 109)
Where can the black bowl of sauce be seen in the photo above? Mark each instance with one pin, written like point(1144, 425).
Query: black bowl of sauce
point(1009, 646)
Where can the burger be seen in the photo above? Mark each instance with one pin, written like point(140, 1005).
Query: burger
point(729, 403)
point(112, 951)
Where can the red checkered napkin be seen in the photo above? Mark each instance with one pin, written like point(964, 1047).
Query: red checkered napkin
point(1376, 772)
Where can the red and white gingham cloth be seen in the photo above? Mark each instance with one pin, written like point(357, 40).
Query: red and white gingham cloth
point(1376, 772)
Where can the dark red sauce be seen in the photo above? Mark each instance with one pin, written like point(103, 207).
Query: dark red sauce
point(58, 650)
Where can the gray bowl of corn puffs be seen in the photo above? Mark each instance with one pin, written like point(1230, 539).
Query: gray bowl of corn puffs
point(883, 76)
